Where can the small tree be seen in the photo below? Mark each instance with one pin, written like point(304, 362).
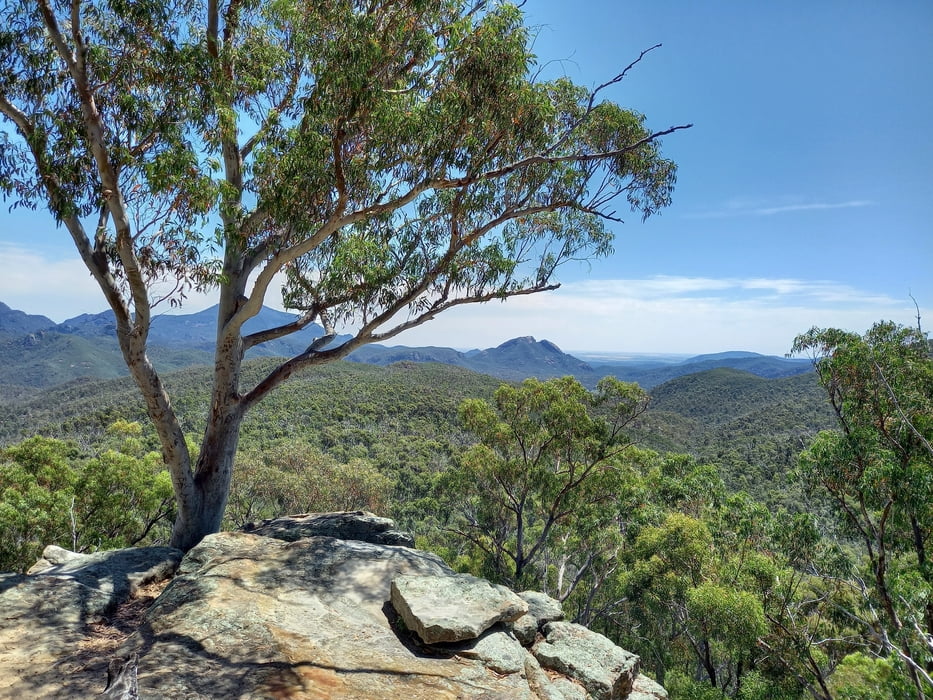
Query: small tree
point(549, 458)
point(391, 159)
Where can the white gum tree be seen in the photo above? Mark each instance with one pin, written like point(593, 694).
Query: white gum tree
point(391, 158)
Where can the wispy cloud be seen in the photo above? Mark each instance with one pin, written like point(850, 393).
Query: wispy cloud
point(677, 314)
point(723, 289)
point(63, 288)
point(854, 204)
point(669, 314)
point(737, 209)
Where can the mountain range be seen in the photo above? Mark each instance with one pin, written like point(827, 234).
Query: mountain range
point(37, 352)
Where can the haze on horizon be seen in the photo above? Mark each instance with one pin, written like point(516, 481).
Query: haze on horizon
point(804, 193)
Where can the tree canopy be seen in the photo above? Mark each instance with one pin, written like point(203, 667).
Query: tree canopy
point(391, 160)
point(876, 469)
point(550, 458)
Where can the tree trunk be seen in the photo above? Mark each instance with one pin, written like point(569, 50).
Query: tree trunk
point(202, 513)
point(519, 543)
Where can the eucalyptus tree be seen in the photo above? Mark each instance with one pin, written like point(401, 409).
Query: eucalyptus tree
point(877, 470)
point(389, 159)
point(545, 479)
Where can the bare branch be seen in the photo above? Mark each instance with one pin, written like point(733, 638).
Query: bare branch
point(553, 160)
point(590, 104)
point(900, 411)
point(265, 336)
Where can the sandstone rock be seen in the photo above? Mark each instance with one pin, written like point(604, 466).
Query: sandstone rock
point(355, 525)
point(497, 648)
point(542, 609)
point(8, 580)
point(646, 689)
point(545, 688)
point(286, 616)
point(570, 690)
point(254, 617)
point(606, 671)
point(44, 616)
point(52, 555)
point(453, 608)
point(117, 573)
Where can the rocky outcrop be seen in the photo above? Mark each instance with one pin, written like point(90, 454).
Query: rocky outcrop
point(355, 525)
point(46, 617)
point(606, 671)
point(541, 610)
point(254, 616)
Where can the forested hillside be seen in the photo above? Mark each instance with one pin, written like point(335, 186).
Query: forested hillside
point(690, 413)
point(405, 415)
point(750, 427)
point(338, 399)
point(699, 526)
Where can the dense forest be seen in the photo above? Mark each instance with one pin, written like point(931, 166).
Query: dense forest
point(747, 537)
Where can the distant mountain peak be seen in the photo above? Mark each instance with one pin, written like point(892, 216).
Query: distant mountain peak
point(523, 340)
point(548, 345)
point(14, 323)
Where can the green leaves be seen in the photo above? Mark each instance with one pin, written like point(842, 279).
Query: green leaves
point(734, 618)
point(876, 470)
point(288, 478)
point(51, 493)
point(547, 479)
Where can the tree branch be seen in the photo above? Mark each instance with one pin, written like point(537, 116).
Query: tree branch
point(542, 158)
point(265, 336)
point(590, 104)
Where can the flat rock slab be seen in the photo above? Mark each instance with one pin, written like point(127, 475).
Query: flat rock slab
point(453, 608)
point(253, 617)
point(44, 616)
point(118, 573)
point(350, 525)
point(605, 670)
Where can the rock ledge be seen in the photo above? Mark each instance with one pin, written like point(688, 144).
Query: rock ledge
point(276, 612)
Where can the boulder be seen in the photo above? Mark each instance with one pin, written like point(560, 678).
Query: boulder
point(53, 555)
point(605, 670)
point(351, 525)
point(453, 608)
point(644, 688)
point(542, 609)
point(497, 648)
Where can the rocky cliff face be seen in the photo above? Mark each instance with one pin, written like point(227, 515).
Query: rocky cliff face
point(318, 606)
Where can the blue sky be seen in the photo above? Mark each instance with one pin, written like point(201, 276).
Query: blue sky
point(804, 195)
